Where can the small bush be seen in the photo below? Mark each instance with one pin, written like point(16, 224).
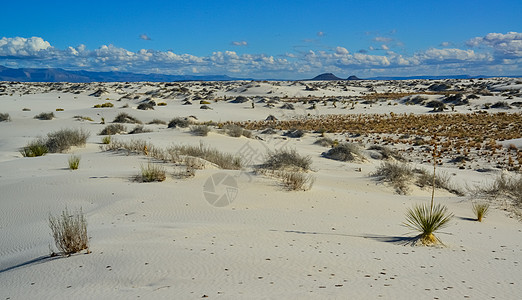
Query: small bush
point(69, 232)
point(158, 122)
point(297, 181)
point(442, 181)
point(480, 210)
point(152, 173)
point(126, 118)
point(200, 130)
point(236, 131)
point(64, 139)
point(74, 162)
point(146, 106)
point(504, 187)
point(35, 148)
point(387, 153)
point(344, 152)
point(4, 117)
point(139, 129)
point(294, 133)
point(398, 175)
point(113, 129)
point(222, 160)
point(45, 116)
point(104, 105)
point(325, 142)
point(82, 118)
point(286, 159)
point(106, 140)
point(179, 122)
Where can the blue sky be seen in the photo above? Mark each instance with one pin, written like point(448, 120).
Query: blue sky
point(266, 39)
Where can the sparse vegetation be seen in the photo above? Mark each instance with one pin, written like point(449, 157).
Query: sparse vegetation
point(106, 140)
point(480, 210)
point(152, 173)
point(104, 105)
point(236, 131)
point(223, 160)
point(113, 129)
point(83, 118)
point(325, 142)
point(45, 116)
point(4, 117)
point(179, 122)
point(126, 118)
point(62, 140)
point(35, 148)
point(140, 129)
point(397, 174)
point(285, 159)
point(200, 130)
point(158, 121)
point(344, 152)
point(74, 162)
point(69, 231)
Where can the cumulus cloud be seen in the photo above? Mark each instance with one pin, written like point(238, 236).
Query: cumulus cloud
point(145, 37)
point(240, 43)
point(507, 45)
point(23, 47)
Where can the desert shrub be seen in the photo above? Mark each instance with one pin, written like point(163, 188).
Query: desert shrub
point(344, 152)
point(387, 153)
point(62, 140)
point(200, 130)
point(113, 129)
point(126, 118)
point(222, 160)
point(69, 231)
point(442, 181)
point(83, 118)
point(179, 122)
point(297, 181)
point(74, 162)
point(106, 140)
point(59, 109)
point(4, 117)
point(35, 148)
point(104, 105)
point(436, 105)
point(152, 173)
point(501, 104)
point(480, 210)
point(294, 133)
point(45, 116)
point(145, 106)
point(162, 104)
point(504, 187)
point(286, 159)
point(236, 131)
point(158, 122)
point(398, 175)
point(425, 220)
point(139, 129)
point(325, 142)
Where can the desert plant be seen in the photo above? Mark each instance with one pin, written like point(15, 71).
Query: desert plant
point(113, 129)
point(295, 181)
point(62, 140)
point(236, 131)
point(4, 117)
point(222, 160)
point(45, 116)
point(427, 220)
point(74, 162)
point(69, 231)
point(126, 118)
point(286, 159)
point(179, 122)
point(145, 106)
point(294, 133)
point(325, 142)
point(480, 210)
point(35, 148)
point(158, 122)
point(200, 130)
point(397, 174)
point(106, 140)
point(151, 173)
point(139, 129)
point(344, 152)
point(83, 118)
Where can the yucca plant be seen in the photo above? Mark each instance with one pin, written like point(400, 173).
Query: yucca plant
point(480, 210)
point(74, 162)
point(428, 219)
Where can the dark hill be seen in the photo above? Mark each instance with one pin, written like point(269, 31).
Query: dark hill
point(326, 76)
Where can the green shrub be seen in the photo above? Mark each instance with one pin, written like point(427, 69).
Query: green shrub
point(69, 232)
point(106, 140)
point(104, 105)
point(74, 162)
point(222, 160)
point(35, 148)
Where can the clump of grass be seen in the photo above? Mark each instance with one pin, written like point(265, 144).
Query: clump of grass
point(296, 181)
point(344, 152)
point(480, 210)
point(286, 159)
point(45, 116)
point(74, 162)
point(69, 231)
point(442, 181)
point(158, 122)
point(200, 130)
point(106, 140)
point(162, 104)
point(504, 187)
point(35, 148)
point(104, 105)
point(4, 117)
point(152, 173)
point(397, 174)
point(325, 142)
point(64, 139)
point(179, 122)
point(113, 129)
point(126, 118)
point(236, 131)
point(222, 160)
point(427, 220)
point(139, 129)
point(82, 118)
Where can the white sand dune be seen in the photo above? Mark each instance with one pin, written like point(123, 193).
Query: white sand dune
point(342, 239)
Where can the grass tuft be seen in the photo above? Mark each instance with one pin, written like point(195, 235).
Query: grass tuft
point(286, 159)
point(397, 174)
point(74, 162)
point(45, 116)
point(69, 231)
point(113, 129)
point(480, 210)
point(152, 173)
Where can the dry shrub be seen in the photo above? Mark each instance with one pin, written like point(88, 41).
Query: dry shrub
point(126, 118)
point(286, 159)
point(74, 162)
point(200, 130)
point(113, 129)
point(140, 129)
point(344, 152)
point(62, 140)
point(397, 174)
point(151, 173)
point(45, 116)
point(4, 117)
point(69, 231)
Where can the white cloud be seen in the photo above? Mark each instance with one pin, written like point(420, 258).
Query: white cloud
point(445, 44)
point(320, 33)
point(507, 45)
point(240, 43)
point(19, 46)
point(382, 39)
point(145, 37)
point(384, 47)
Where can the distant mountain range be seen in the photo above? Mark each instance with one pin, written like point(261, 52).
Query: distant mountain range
point(61, 75)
